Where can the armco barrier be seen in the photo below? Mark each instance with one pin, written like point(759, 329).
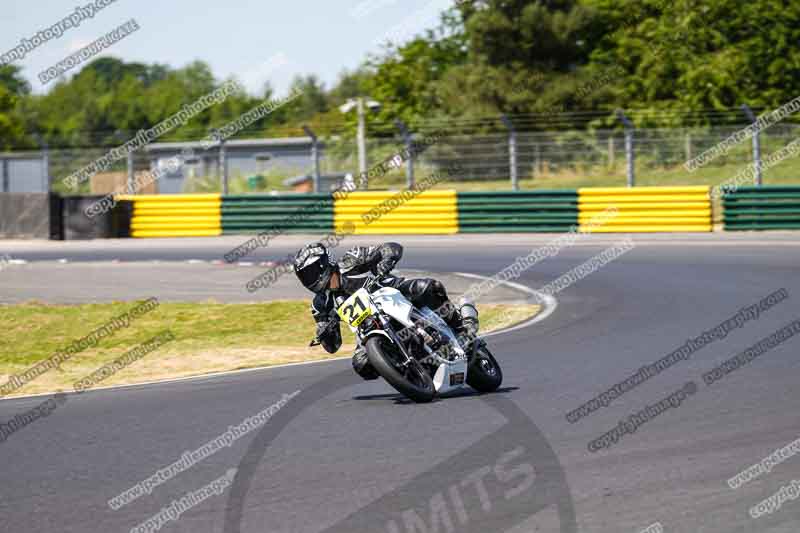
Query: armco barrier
point(175, 215)
point(428, 212)
point(521, 211)
point(762, 208)
point(647, 209)
point(254, 213)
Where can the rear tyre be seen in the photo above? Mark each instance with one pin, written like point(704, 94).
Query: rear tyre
point(484, 374)
point(411, 380)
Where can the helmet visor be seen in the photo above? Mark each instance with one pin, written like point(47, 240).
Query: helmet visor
point(312, 273)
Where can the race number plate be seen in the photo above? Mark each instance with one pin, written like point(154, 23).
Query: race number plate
point(356, 308)
point(456, 379)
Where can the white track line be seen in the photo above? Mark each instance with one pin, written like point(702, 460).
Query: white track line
point(549, 302)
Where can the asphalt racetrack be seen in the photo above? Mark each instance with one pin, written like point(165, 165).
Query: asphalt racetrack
point(344, 455)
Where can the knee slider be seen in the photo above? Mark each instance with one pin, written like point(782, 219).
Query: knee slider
point(420, 288)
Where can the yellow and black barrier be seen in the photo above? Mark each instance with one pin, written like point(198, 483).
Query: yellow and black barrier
point(400, 212)
point(646, 209)
point(175, 215)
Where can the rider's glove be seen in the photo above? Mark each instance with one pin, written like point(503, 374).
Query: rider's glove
point(329, 335)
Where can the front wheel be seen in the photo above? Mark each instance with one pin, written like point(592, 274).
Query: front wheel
point(484, 374)
point(410, 380)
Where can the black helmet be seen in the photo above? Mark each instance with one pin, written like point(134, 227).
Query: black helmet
point(313, 267)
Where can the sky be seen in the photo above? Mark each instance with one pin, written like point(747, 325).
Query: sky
point(254, 40)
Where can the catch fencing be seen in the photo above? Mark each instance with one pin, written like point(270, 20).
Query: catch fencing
point(539, 149)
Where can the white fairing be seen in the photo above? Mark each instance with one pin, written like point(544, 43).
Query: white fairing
point(393, 303)
point(450, 375)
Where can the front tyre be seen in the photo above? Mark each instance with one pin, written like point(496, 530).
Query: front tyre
point(484, 374)
point(410, 380)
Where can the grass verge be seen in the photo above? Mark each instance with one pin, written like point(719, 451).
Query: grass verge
point(209, 337)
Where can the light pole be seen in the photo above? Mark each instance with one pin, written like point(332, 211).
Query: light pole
point(359, 104)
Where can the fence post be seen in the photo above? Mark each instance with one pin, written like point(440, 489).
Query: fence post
point(688, 146)
point(45, 161)
point(314, 156)
point(756, 143)
point(611, 150)
point(410, 149)
point(6, 185)
point(129, 189)
point(512, 151)
point(46, 164)
point(629, 153)
point(223, 166)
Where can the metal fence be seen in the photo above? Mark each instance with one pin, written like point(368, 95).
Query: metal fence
point(23, 172)
point(495, 160)
point(500, 160)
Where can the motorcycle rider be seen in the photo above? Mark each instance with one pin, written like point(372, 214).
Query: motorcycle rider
point(332, 282)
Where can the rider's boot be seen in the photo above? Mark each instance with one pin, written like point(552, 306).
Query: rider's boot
point(469, 317)
point(463, 320)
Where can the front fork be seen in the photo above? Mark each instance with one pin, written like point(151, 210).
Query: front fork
point(389, 330)
point(471, 346)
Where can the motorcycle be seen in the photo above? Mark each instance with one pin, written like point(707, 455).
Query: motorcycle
point(413, 349)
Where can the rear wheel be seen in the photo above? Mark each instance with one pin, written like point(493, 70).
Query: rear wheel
point(410, 380)
point(484, 374)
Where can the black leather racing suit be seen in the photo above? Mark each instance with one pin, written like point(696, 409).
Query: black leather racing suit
point(354, 268)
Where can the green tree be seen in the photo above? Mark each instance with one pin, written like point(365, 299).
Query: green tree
point(690, 54)
point(14, 91)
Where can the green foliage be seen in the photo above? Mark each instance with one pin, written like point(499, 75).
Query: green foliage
point(486, 57)
point(13, 91)
point(688, 54)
